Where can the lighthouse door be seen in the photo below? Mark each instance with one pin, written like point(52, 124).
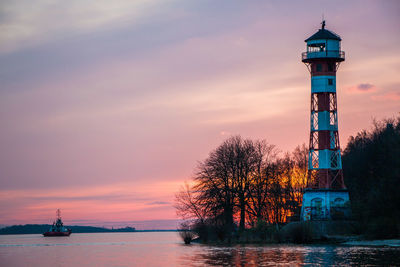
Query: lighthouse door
point(316, 209)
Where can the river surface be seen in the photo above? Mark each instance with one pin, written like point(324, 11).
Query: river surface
point(166, 249)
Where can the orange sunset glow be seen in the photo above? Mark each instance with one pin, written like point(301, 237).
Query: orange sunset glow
point(106, 109)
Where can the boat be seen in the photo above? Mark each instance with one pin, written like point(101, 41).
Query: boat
point(58, 228)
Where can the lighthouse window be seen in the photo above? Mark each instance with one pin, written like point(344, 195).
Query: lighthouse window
point(339, 202)
point(330, 81)
point(330, 67)
point(319, 67)
point(311, 48)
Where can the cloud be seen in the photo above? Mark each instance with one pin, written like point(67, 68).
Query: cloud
point(86, 198)
point(25, 24)
point(127, 201)
point(391, 96)
point(159, 203)
point(362, 88)
point(225, 133)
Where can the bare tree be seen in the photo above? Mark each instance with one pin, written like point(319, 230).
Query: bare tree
point(225, 177)
point(257, 193)
point(187, 204)
point(244, 180)
point(215, 179)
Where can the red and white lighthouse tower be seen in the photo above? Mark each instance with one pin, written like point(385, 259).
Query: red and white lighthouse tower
point(326, 196)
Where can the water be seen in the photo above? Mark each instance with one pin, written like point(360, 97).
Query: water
point(166, 249)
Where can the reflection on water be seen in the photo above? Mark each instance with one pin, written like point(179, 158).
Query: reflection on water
point(292, 255)
point(245, 256)
point(166, 249)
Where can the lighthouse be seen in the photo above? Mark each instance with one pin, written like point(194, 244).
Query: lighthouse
point(325, 196)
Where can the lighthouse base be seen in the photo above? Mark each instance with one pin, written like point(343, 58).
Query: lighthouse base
point(325, 204)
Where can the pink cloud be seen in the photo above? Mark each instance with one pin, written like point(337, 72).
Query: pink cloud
point(391, 96)
point(225, 133)
point(106, 203)
point(362, 88)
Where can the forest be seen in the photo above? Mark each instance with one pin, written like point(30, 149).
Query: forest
point(248, 185)
point(371, 166)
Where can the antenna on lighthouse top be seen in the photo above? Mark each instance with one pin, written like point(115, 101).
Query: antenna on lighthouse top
point(323, 22)
point(58, 212)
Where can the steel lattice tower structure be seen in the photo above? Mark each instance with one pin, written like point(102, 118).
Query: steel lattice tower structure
point(326, 196)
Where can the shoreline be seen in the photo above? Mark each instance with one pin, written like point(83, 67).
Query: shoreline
point(393, 243)
point(348, 241)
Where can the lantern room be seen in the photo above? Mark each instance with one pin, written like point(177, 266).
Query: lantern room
point(323, 44)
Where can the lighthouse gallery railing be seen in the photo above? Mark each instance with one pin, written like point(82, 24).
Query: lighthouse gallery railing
point(323, 54)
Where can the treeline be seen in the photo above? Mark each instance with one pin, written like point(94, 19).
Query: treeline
point(244, 183)
point(41, 228)
point(371, 166)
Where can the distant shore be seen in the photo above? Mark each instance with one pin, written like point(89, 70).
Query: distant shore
point(41, 228)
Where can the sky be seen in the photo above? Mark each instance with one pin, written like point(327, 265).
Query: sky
point(106, 107)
